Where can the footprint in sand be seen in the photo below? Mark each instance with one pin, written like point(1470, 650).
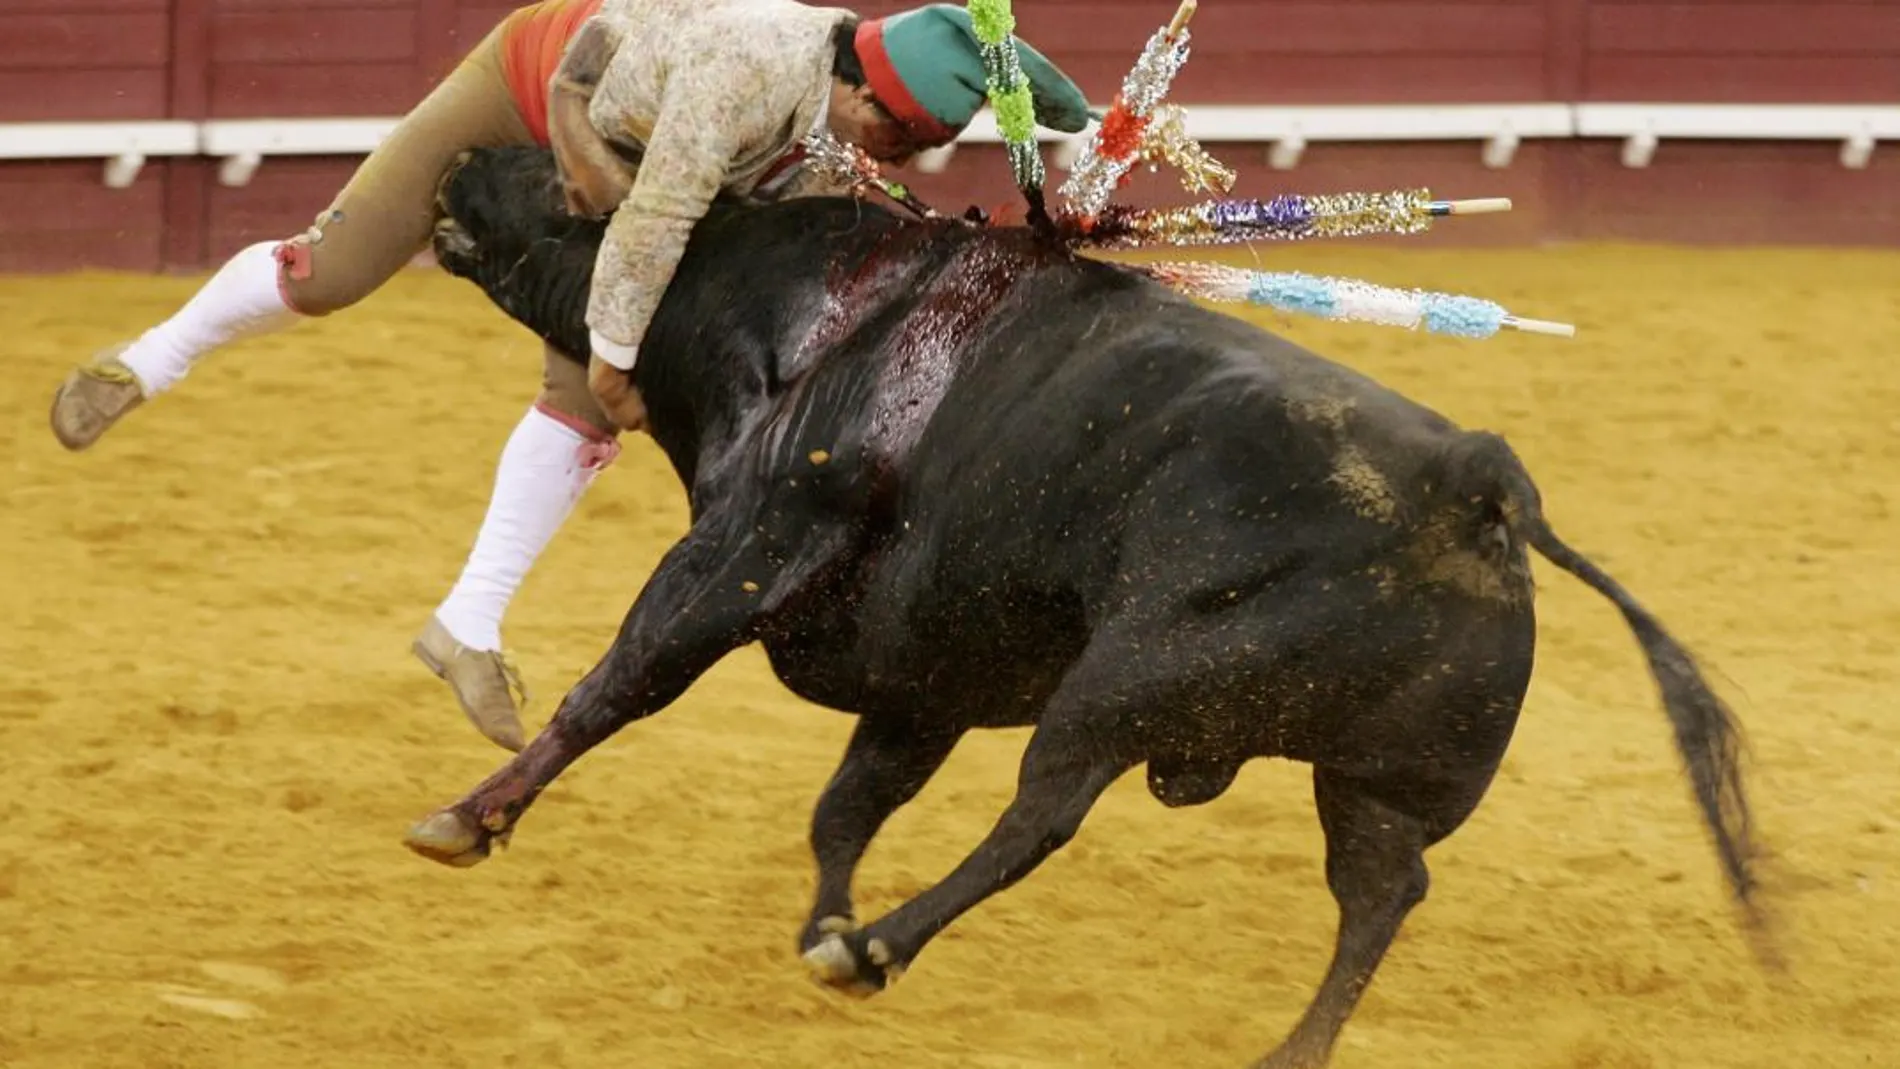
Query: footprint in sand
point(193, 999)
point(254, 979)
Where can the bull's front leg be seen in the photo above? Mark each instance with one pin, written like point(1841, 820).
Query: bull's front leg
point(703, 601)
point(888, 760)
point(1066, 766)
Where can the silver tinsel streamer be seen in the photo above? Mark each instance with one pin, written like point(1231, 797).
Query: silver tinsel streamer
point(847, 164)
point(837, 161)
point(1146, 84)
point(1096, 175)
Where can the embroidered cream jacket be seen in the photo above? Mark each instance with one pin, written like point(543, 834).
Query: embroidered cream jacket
point(711, 94)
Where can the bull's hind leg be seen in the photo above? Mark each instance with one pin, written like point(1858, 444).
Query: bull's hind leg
point(1069, 762)
point(1376, 835)
point(888, 760)
point(704, 600)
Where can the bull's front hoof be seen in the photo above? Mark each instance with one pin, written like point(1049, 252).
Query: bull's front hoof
point(839, 963)
point(819, 929)
point(449, 838)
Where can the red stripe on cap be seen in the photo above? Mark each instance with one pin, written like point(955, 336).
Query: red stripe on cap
point(891, 91)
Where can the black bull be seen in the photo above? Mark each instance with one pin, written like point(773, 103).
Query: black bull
point(952, 478)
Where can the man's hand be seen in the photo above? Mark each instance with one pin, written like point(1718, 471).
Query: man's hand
point(615, 391)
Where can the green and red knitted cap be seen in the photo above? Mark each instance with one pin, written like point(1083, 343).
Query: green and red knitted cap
point(926, 67)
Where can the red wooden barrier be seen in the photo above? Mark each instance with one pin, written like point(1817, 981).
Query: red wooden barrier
point(1790, 51)
point(145, 59)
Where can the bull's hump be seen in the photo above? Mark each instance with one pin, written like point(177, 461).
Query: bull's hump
point(908, 329)
point(857, 289)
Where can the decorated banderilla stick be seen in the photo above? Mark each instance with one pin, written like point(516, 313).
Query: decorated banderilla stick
point(1349, 300)
point(1138, 127)
point(847, 164)
point(1290, 217)
point(1008, 90)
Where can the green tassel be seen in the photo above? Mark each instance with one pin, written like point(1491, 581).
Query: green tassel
point(992, 20)
point(1016, 114)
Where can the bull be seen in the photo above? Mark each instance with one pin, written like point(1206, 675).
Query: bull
point(955, 477)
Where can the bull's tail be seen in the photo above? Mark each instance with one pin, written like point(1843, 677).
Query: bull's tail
point(1708, 736)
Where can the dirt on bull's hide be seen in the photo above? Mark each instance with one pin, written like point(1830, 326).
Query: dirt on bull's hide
point(216, 735)
point(1366, 488)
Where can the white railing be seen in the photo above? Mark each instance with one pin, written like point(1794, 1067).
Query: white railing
point(124, 146)
point(241, 145)
point(1644, 126)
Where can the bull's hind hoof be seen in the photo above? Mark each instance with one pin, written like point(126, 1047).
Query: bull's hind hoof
point(448, 838)
point(839, 963)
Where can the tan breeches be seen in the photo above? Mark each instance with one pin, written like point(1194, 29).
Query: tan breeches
point(387, 212)
point(564, 389)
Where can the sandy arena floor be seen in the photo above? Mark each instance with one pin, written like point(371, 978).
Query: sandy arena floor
point(216, 735)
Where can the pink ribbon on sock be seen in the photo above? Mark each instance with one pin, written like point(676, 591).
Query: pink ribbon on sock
point(597, 450)
point(596, 453)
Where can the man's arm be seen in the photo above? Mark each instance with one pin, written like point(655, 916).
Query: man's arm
point(679, 175)
point(711, 113)
point(593, 176)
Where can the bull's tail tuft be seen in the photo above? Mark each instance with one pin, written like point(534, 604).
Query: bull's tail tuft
point(1708, 736)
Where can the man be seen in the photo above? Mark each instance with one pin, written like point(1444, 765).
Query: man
point(707, 95)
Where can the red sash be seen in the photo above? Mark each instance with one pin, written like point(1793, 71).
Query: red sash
point(533, 40)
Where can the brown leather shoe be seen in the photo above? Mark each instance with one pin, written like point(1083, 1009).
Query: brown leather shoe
point(93, 398)
point(484, 681)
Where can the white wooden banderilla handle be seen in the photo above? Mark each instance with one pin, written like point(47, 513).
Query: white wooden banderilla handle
point(1479, 206)
point(1181, 16)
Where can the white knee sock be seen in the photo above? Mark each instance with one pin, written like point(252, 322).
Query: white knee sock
point(240, 301)
point(542, 475)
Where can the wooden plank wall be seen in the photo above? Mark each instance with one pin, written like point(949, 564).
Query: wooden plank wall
point(84, 59)
point(81, 59)
point(1737, 52)
point(101, 59)
point(1741, 51)
point(1309, 51)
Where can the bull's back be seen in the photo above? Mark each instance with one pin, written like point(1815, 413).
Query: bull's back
point(1097, 385)
point(1102, 418)
point(1010, 430)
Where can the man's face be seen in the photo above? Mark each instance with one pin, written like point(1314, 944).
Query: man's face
point(858, 118)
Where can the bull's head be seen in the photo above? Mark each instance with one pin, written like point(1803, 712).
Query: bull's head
point(494, 204)
point(505, 227)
